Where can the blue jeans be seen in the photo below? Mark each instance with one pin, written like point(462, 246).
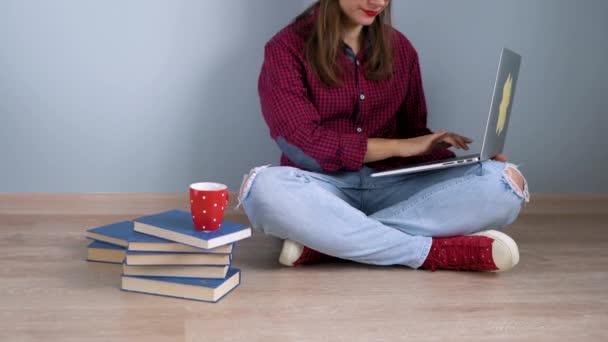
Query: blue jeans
point(382, 221)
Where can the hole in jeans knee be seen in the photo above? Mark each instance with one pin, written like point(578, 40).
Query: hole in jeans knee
point(517, 181)
point(247, 183)
point(516, 178)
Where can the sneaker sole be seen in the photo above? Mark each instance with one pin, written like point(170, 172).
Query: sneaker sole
point(504, 250)
point(290, 252)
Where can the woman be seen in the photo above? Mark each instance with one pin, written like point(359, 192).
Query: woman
point(341, 92)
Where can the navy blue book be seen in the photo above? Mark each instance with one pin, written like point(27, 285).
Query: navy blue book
point(105, 252)
point(202, 289)
point(177, 225)
point(173, 258)
point(115, 233)
point(123, 234)
point(181, 271)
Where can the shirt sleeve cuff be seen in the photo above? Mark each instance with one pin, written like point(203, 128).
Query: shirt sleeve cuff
point(353, 148)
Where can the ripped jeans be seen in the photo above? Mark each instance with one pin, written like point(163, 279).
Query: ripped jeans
point(382, 221)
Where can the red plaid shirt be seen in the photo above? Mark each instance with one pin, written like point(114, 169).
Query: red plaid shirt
point(325, 129)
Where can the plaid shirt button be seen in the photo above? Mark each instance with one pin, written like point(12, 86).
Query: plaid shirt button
point(362, 97)
point(359, 129)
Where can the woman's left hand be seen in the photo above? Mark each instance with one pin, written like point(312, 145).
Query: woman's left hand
point(500, 157)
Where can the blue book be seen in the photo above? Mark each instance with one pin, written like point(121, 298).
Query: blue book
point(177, 225)
point(116, 233)
point(105, 252)
point(202, 289)
point(172, 271)
point(172, 258)
point(148, 243)
point(123, 234)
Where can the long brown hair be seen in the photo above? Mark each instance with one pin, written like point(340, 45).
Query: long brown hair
point(324, 43)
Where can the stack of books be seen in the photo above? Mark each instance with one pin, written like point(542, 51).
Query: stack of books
point(162, 254)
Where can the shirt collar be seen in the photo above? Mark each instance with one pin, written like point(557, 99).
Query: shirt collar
point(350, 53)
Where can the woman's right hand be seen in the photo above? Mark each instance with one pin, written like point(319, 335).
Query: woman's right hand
point(428, 143)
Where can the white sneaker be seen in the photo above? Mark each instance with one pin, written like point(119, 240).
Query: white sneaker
point(294, 254)
point(504, 249)
point(290, 253)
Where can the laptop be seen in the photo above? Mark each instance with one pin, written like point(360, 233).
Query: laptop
point(496, 128)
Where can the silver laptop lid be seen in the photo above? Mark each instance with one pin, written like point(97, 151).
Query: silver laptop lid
point(502, 102)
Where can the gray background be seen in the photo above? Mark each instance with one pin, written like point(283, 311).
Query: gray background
point(151, 95)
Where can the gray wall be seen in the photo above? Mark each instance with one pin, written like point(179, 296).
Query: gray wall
point(145, 95)
point(559, 116)
point(132, 95)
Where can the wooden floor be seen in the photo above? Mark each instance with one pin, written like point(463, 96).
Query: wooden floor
point(48, 292)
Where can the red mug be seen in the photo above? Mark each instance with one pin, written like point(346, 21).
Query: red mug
point(207, 204)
